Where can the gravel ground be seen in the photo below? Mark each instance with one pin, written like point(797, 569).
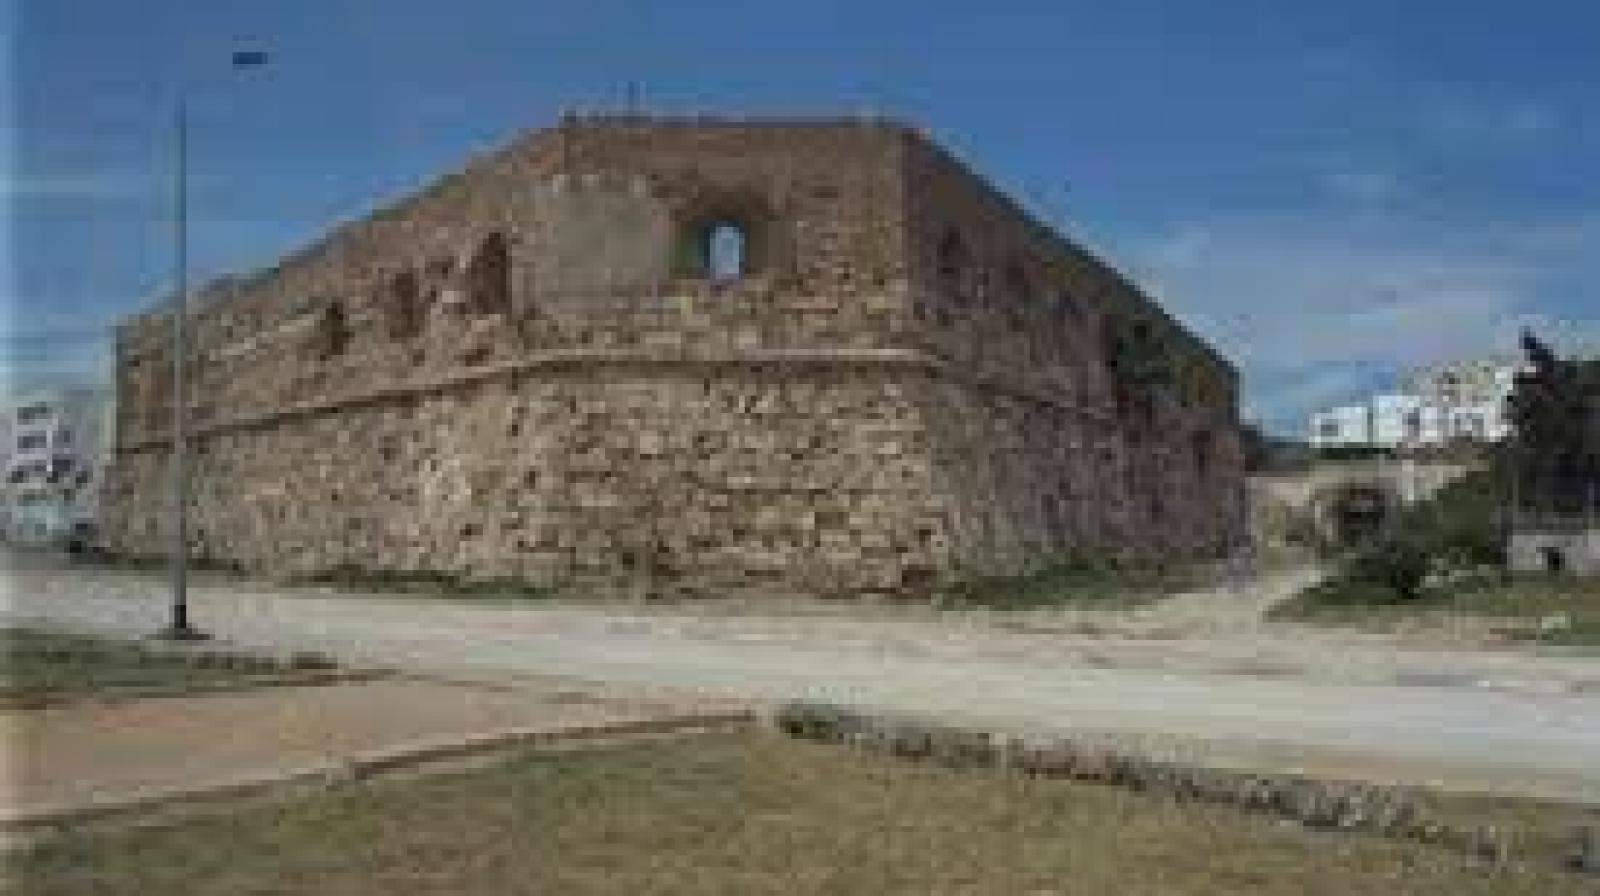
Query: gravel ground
point(1512, 721)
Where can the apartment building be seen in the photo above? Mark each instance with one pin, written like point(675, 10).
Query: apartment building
point(1459, 401)
point(53, 451)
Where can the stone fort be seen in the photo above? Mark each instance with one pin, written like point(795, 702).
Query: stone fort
point(688, 356)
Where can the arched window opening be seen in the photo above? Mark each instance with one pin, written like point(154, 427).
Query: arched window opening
point(403, 305)
point(954, 263)
point(1018, 295)
point(489, 276)
point(725, 250)
point(333, 331)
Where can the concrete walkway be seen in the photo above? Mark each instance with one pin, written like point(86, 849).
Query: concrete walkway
point(85, 758)
point(1498, 721)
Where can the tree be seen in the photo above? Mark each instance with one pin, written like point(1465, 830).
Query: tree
point(1555, 416)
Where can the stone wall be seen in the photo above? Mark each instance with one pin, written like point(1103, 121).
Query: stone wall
point(528, 371)
point(632, 475)
point(1042, 445)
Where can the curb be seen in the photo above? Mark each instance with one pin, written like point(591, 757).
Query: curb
point(1399, 812)
point(358, 766)
point(114, 695)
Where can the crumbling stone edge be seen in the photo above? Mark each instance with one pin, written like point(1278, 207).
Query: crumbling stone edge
point(1394, 811)
point(112, 695)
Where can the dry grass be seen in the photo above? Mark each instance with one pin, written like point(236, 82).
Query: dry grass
point(1516, 605)
point(1080, 583)
point(747, 814)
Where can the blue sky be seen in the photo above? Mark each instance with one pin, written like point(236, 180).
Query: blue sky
point(1331, 192)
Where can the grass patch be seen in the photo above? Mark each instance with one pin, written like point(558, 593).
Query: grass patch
point(1075, 582)
point(750, 813)
point(42, 668)
point(1522, 601)
point(344, 578)
point(104, 559)
point(427, 582)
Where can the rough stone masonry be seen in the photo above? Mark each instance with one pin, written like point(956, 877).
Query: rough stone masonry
point(686, 355)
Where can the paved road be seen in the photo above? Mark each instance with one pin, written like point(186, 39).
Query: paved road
point(1541, 737)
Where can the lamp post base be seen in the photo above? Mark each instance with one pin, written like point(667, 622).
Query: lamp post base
point(181, 633)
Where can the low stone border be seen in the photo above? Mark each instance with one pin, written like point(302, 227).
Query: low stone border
point(107, 695)
point(1395, 811)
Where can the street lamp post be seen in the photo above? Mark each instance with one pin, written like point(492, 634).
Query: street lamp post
point(179, 628)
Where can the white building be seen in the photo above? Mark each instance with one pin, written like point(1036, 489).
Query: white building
point(1437, 405)
point(54, 449)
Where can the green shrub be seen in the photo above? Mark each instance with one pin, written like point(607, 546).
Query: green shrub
point(1461, 525)
point(1397, 564)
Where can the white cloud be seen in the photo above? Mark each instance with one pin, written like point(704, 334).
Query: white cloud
point(1310, 389)
point(1313, 306)
point(1459, 121)
point(91, 185)
point(1365, 186)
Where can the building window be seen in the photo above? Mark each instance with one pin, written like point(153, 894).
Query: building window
point(1328, 429)
point(725, 236)
point(60, 468)
point(32, 413)
point(403, 305)
point(1018, 294)
point(489, 276)
point(24, 472)
point(63, 438)
point(1413, 424)
point(720, 248)
point(30, 442)
point(333, 331)
point(725, 251)
point(954, 263)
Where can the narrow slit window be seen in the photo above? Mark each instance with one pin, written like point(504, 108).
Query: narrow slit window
point(405, 311)
point(489, 276)
point(953, 263)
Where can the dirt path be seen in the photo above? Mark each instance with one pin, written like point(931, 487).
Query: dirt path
point(1228, 608)
point(1512, 721)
